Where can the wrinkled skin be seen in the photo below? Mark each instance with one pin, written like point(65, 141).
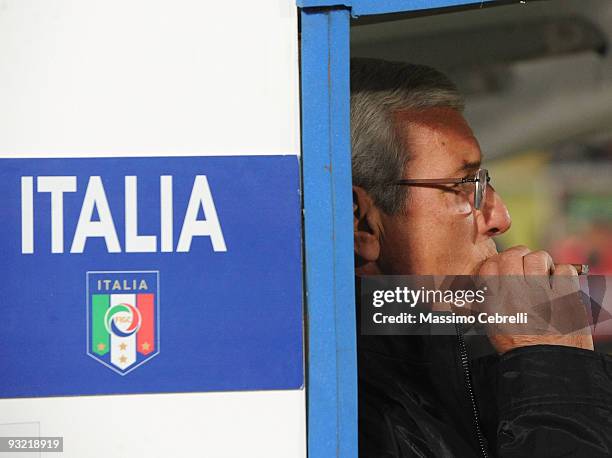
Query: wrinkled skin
point(440, 233)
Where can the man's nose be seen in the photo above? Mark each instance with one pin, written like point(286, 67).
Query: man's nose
point(496, 216)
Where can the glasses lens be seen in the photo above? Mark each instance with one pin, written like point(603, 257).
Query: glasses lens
point(480, 188)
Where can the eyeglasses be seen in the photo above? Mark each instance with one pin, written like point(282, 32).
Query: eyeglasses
point(480, 180)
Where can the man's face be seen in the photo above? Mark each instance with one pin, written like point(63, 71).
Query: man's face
point(440, 233)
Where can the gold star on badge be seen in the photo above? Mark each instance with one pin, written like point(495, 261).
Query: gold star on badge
point(145, 346)
point(122, 346)
point(123, 359)
point(101, 347)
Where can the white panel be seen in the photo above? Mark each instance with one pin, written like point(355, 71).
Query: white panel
point(20, 430)
point(148, 77)
point(266, 424)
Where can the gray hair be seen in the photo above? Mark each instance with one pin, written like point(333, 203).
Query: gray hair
point(380, 89)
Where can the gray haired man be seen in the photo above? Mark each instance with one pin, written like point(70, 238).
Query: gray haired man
point(423, 205)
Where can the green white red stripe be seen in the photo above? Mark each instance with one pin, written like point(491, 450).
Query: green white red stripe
point(124, 325)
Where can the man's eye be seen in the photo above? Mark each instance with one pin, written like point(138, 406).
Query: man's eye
point(462, 188)
point(458, 188)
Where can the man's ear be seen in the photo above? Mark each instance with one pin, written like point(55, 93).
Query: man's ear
point(366, 227)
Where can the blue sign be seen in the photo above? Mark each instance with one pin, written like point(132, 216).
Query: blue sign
point(147, 275)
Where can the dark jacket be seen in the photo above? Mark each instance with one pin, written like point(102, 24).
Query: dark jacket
point(417, 400)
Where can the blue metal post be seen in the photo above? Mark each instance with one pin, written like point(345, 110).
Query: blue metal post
point(360, 8)
point(332, 363)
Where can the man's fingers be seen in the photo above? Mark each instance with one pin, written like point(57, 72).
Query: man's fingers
point(538, 263)
point(556, 314)
point(565, 278)
point(489, 268)
point(537, 266)
point(511, 260)
point(495, 264)
point(518, 250)
point(565, 269)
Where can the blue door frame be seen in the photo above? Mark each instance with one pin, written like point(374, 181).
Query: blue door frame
point(328, 234)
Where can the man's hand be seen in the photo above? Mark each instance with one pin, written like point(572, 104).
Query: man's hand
point(528, 281)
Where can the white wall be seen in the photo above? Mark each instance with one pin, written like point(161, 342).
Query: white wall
point(144, 77)
point(207, 425)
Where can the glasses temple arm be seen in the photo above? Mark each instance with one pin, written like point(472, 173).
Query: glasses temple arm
point(433, 181)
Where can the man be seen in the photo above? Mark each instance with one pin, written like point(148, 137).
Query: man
point(538, 395)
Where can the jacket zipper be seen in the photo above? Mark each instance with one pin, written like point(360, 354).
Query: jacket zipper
point(465, 365)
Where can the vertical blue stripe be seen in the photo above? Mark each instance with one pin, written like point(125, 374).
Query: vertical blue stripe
point(332, 366)
point(344, 274)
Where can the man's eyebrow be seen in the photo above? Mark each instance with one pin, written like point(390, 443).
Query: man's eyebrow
point(469, 166)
